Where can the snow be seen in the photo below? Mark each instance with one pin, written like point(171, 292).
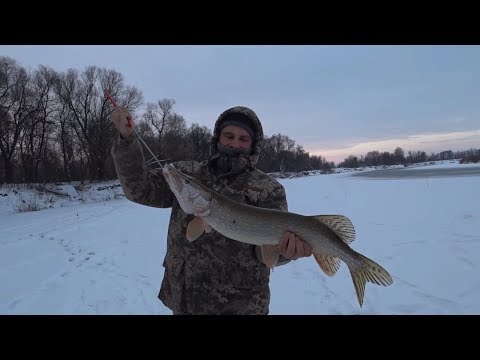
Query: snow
point(91, 251)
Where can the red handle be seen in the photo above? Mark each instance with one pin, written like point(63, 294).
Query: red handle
point(107, 95)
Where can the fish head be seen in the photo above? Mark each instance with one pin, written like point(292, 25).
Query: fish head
point(193, 197)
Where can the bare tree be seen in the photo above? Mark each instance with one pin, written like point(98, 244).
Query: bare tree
point(399, 156)
point(281, 146)
point(416, 157)
point(170, 130)
point(372, 158)
point(199, 137)
point(65, 139)
point(17, 106)
point(158, 115)
point(90, 112)
point(35, 135)
point(350, 162)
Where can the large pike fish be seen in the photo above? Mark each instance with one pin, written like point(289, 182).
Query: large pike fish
point(328, 235)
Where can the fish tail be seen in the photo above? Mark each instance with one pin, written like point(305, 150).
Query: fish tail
point(370, 271)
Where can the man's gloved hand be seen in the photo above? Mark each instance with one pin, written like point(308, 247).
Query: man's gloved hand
point(290, 247)
point(123, 121)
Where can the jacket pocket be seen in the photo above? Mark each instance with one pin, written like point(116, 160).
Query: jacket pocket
point(172, 290)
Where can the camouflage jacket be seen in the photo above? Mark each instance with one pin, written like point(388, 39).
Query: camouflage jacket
point(213, 274)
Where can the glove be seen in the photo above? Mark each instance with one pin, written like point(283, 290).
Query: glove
point(122, 121)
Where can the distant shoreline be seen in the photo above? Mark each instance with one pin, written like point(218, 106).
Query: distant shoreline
point(419, 173)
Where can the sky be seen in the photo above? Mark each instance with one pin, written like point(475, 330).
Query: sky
point(334, 100)
point(87, 254)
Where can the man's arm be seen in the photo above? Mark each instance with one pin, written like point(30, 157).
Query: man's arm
point(140, 185)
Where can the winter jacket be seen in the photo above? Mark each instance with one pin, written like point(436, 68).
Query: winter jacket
point(213, 274)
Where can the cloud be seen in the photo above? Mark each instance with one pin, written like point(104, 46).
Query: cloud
point(442, 137)
point(436, 142)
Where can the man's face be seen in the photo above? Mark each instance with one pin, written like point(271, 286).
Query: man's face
point(235, 137)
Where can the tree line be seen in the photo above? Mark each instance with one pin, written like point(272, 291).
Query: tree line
point(55, 126)
point(375, 158)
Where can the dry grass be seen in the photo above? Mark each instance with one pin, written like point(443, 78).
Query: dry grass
point(31, 204)
point(470, 159)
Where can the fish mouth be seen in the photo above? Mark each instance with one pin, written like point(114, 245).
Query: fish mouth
point(177, 176)
point(189, 200)
point(172, 176)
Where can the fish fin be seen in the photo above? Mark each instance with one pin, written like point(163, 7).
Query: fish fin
point(195, 228)
point(329, 264)
point(340, 225)
point(369, 271)
point(270, 255)
point(208, 229)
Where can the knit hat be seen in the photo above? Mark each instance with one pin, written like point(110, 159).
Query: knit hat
point(240, 120)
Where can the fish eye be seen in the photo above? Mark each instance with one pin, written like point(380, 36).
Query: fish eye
point(187, 181)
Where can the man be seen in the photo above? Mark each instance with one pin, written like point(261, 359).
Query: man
point(213, 274)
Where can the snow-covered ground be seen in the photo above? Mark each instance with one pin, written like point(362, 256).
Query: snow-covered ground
point(91, 251)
